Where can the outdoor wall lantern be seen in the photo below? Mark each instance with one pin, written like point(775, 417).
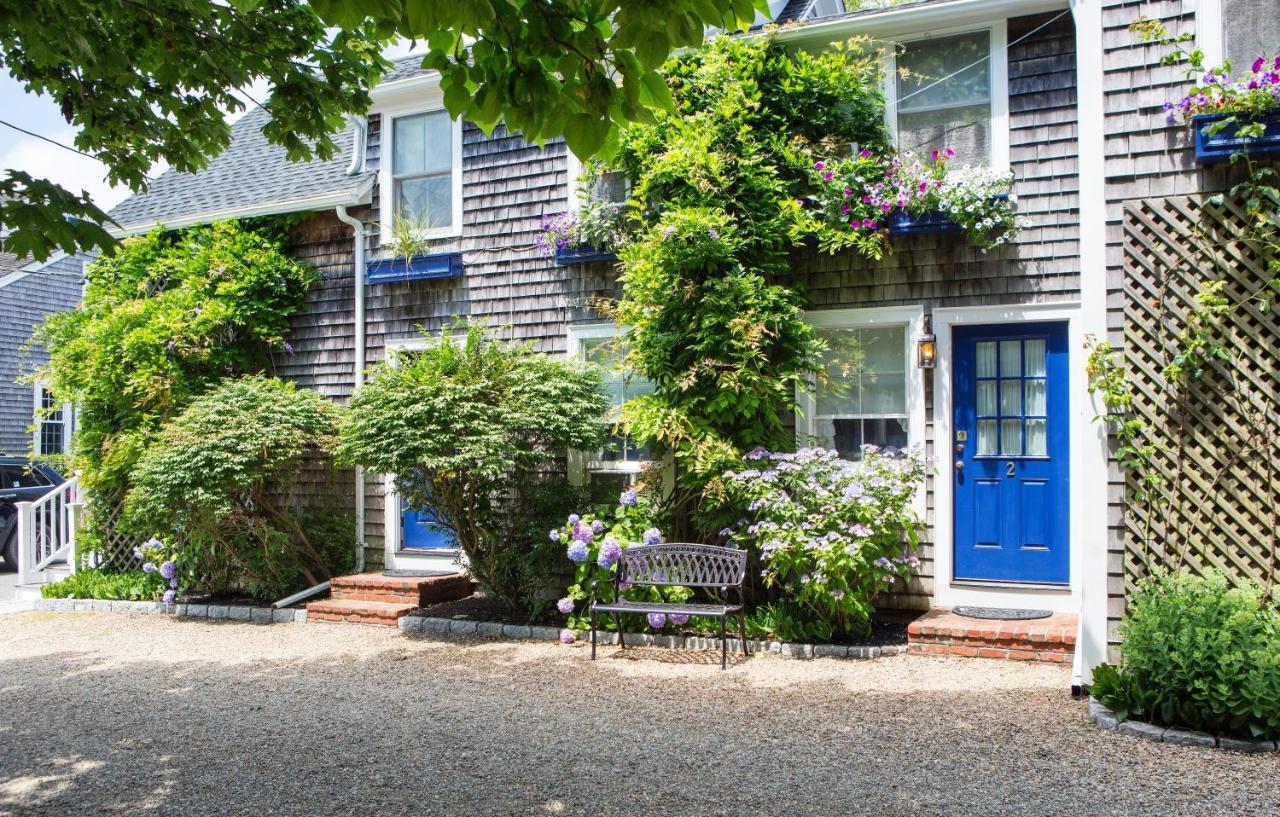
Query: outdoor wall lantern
point(927, 346)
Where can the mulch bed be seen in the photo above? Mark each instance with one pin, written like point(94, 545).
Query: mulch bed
point(888, 629)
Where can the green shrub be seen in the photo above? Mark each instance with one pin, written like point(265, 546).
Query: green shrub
point(467, 428)
point(1197, 653)
point(132, 585)
point(223, 477)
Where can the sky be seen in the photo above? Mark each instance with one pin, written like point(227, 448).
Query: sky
point(40, 114)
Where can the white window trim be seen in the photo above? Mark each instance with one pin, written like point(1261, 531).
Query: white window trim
point(580, 463)
point(910, 317)
point(68, 420)
point(997, 70)
point(392, 552)
point(426, 99)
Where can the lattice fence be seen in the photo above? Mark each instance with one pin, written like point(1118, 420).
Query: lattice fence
point(112, 547)
point(1217, 436)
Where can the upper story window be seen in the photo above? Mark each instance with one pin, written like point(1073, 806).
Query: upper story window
point(420, 174)
point(607, 187)
point(952, 91)
point(53, 432)
point(822, 8)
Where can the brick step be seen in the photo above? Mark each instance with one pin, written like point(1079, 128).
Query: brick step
point(421, 590)
point(942, 632)
point(358, 612)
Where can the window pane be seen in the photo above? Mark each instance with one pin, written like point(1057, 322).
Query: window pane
point(1034, 350)
point(1010, 437)
point(50, 438)
point(1035, 397)
point(1010, 398)
point(1011, 358)
point(966, 130)
point(611, 187)
point(865, 372)
point(986, 358)
point(1037, 445)
point(987, 398)
point(986, 438)
point(621, 386)
point(428, 200)
point(925, 69)
point(884, 393)
point(847, 436)
point(423, 144)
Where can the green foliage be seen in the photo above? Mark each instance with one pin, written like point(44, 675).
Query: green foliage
point(531, 564)
point(1197, 653)
point(465, 427)
point(223, 475)
point(162, 321)
point(1109, 381)
point(714, 185)
point(145, 83)
point(133, 585)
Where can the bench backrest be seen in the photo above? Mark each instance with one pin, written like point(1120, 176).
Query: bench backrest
point(683, 563)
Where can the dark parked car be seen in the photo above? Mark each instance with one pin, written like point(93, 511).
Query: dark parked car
point(21, 480)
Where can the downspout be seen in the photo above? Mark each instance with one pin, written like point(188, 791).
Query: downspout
point(360, 128)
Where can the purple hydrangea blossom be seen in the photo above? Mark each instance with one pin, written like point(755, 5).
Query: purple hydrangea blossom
point(173, 583)
point(652, 536)
point(565, 605)
point(678, 619)
point(597, 526)
point(610, 552)
point(574, 518)
point(583, 533)
point(566, 637)
point(168, 597)
point(628, 498)
point(148, 568)
point(657, 620)
point(577, 552)
point(555, 534)
point(168, 569)
point(137, 553)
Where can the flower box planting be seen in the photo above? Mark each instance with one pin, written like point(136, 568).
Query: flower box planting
point(1214, 145)
point(582, 254)
point(930, 222)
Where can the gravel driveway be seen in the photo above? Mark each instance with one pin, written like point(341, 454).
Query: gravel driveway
point(105, 714)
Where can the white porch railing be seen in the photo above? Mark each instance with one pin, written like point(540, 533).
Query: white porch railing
point(47, 531)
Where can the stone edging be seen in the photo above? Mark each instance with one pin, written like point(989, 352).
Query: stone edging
point(493, 629)
point(217, 612)
point(1106, 719)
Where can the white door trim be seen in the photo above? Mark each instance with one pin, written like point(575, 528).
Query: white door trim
point(1084, 464)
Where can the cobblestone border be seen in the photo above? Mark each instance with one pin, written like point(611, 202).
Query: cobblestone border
point(216, 612)
point(1106, 719)
point(493, 629)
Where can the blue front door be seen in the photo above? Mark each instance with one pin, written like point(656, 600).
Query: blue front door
point(1010, 450)
point(421, 530)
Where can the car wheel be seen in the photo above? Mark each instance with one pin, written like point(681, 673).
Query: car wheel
point(10, 550)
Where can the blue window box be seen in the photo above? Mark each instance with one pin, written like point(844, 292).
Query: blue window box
point(583, 254)
point(934, 222)
point(418, 268)
point(1220, 146)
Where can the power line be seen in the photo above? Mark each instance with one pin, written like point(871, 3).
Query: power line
point(47, 139)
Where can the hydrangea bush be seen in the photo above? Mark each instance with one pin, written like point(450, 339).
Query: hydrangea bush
point(594, 542)
point(830, 534)
point(161, 560)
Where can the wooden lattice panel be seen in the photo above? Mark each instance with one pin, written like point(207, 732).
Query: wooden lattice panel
point(114, 548)
point(1218, 452)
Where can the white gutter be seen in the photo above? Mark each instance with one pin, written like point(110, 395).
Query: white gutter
point(324, 201)
point(912, 19)
point(360, 133)
point(358, 282)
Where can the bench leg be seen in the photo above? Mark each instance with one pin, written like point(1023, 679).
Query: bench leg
point(724, 644)
point(617, 622)
point(593, 633)
point(742, 630)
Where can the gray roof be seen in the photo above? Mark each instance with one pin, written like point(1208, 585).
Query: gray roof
point(250, 173)
point(11, 263)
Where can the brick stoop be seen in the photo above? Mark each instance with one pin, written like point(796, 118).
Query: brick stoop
point(372, 598)
point(942, 632)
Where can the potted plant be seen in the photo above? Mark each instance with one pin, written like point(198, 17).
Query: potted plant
point(1233, 116)
point(409, 256)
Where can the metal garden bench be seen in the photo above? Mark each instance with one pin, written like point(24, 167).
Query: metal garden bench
point(678, 564)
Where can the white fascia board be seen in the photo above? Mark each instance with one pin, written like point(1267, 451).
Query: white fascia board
point(402, 91)
point(27, 269)
point(360, 194)
point(916, 19)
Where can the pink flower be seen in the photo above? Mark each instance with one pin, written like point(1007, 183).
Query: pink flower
point(844, 209)
point(826, 177)
point(566, 637)
point(848, 191)
point(1258, 63)
point(818, 165)
point(866, 199)
point(934, 154)
point(950, 153)
point(886, 206)
point(866, 154)
point(924, 187)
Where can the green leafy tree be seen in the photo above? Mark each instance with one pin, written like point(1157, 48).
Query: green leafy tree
point(223, 478)
point(163, 321)
point(466, 427)
point(716, 206)
point(146, 81)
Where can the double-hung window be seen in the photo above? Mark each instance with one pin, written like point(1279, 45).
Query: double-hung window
point(950, 91)
point(52, 432)
point(422, 169)
point(608, 187)
point(868, 390)
point(605, 345)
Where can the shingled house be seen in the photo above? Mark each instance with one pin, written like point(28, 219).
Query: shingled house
point(1030, 522)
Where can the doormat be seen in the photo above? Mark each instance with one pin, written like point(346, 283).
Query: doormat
point(401, 573)
point(1000, 613)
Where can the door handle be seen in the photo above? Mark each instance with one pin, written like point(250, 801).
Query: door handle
point(959, 465)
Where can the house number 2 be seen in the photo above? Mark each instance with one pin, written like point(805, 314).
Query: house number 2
point(1008, 468)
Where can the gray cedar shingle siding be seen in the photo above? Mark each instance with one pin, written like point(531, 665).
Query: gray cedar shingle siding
point(24, 304)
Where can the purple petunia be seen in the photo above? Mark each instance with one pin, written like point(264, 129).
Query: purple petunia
point(565, 605)
point(168, 570)
point(657, 620)
point(652, 536)
point(610, 552)
point(577, 552)
point(566, 637)
point(628, 499)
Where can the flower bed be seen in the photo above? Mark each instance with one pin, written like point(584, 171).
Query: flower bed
point(1232, 116)
point(1220, 136)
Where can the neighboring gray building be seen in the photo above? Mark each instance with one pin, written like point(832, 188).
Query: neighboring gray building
point(29, 293)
